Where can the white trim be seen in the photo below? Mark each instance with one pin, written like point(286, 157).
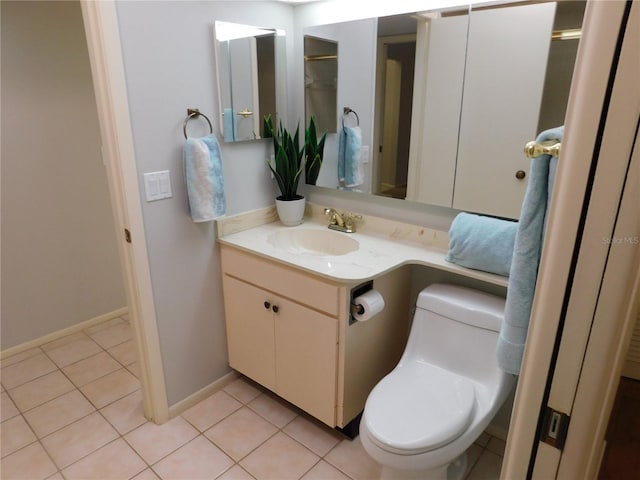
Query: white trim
point(600, 312)
point(103, 41)
point(418, 109)
point(195, 398)
point(601, 24)
point(596, 394)
point(380, 68)
point(50, 337)
point(619, 298)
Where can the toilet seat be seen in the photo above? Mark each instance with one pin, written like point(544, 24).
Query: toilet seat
point(415, 395)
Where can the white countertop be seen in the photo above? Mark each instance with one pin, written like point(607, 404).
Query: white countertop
point(377, 253)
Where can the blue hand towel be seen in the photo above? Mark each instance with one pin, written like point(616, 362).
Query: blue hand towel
point(230, 125)
point(526, 256)
point(482, 243)
point(350, 170)
point(203, 174)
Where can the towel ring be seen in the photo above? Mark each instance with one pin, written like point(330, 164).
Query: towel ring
point(194, 113)
point(347, 111)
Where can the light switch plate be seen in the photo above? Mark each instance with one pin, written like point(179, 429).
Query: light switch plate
point(157, 185)
point(364, 154)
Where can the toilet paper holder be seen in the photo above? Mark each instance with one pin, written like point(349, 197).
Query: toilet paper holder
point(356, 292)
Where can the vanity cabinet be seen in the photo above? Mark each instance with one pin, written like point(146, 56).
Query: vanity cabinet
point(285, 341)
point(289, 330)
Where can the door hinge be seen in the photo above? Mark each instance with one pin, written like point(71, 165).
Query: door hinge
point(554, 428)
point(127, 235)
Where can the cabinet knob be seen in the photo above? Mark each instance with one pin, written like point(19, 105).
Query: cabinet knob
point(275, 308)
point(267, 305)
point(520, 174)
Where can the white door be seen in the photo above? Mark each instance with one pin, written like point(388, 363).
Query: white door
point(587, 287)
point(103, 41)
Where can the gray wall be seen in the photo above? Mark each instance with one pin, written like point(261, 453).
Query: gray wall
point(168, 52)
point(356, 89)
point(60, 263)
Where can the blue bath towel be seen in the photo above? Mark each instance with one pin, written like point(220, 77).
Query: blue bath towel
point(350, 170)
point(526, 256)
point(203, 174)
point(482, 243)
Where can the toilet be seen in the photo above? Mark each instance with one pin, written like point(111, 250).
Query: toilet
point(420, 419)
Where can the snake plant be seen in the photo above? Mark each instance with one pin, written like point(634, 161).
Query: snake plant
point(314, 151)
point(287, 164)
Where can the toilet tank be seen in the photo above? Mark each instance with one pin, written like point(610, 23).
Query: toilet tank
point(472, 307)
point(457, 329)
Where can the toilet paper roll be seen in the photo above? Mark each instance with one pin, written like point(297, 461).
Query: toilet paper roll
point(371, 302)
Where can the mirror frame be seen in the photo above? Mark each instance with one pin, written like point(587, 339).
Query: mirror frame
point(224, 76)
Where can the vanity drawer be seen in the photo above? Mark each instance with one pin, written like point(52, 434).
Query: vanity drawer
point(279, 279)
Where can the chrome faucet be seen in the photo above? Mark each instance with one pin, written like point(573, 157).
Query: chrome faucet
point(342, 222)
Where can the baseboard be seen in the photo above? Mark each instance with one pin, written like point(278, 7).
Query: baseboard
point(184, 405)
point(631, 369)
point(62, 333)
point(498, 432)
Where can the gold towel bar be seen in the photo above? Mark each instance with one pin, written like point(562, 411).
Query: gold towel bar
point(533, 149)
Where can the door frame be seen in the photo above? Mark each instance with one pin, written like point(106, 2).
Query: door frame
point(107, 68)
point(380, 88)
point(573, 263)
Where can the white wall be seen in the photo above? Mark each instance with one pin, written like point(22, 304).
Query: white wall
point(60, 263)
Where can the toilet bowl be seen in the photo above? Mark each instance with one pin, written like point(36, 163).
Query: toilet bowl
point(420, 419)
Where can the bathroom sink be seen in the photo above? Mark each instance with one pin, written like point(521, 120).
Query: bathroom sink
point(313, 242)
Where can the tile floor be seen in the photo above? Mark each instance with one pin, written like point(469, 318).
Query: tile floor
point(72, 409)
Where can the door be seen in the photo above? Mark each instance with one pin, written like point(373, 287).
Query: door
point(250, 332)
point(306, 359)
point(588, 281)
point(392, 122)
point(107, 68)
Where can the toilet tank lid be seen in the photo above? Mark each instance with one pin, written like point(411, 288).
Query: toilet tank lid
point(464, 305)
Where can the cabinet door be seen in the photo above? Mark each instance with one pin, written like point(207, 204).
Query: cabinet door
point(306, 359)
point(504, 79)
point(250, 333)
point(435, 123)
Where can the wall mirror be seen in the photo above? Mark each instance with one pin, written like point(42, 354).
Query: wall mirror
point(251, 70)
point(354, 42)
point(487, 80)
point(321, 82)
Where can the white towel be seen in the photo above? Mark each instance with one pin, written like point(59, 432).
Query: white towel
point(203, 175)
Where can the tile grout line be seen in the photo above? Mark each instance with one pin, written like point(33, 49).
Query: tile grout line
point(76, 388)
point(281, 429)
point(297, 413)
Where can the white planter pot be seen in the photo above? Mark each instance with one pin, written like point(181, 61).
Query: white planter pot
point(290, 212)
